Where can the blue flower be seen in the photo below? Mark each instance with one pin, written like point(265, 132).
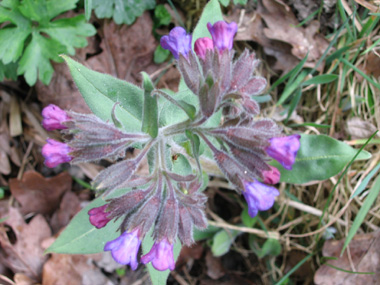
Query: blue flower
point(124, 249)
point(161, 256)
point(259, 196)
point(178, 42)
point(222, 34)
point(284, 150)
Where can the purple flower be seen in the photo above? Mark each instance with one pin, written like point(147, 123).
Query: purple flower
point(201, 46)
point(54, 117)
point(124, 249)
point(98, 216)
point(178, 42)
point(161, 256)
point(271, 176)
point(56, 153)
point(222, 34)
point(259, 196)
point(284, 150)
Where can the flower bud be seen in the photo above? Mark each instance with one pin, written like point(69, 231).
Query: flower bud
point(124, 249)
point(54, 117)
point(222, 34)
point(178, 42)
point(161, 256)
point(260, 197)
point(98, 216)
point(201, 46)
point(56, 153)
point(271, 176)
point(284, 149)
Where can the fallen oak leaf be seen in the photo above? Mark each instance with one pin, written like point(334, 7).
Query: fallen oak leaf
point(38, 194)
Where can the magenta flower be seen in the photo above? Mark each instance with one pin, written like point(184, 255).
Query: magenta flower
point(284, 150)
point(98, 216)
point(124, 249)
point(53, 117)
point(259, 196)
point(201, 46)
point(178, 42)
point(161, 256)
point(56, 153)
point(271, 176)
point(222, 34)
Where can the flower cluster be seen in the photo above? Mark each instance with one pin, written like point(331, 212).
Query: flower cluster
point(171, 203)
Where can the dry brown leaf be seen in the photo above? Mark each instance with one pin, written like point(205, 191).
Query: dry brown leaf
point(190, 253)
point(70, 205)
point(365, 255)
point(214, 265)
point(63, 269)
point(373, 65)
point(38, 194)
point(21, 243)
point(360, 129)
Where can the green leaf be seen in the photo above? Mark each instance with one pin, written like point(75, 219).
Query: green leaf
point(80, 237)
point(222, 241)
point(43, 11)
point(162, 16)
point(319, 157)
point(247, 220)
point(181, 165)
point(211, 13)
point(270, 247)
point(225, 3)
point(241, 2)
point(102, 91)
point(71, 32)
point(122, 11)
point(8, 71)
point(160, 54)
point(205, 234)
point(372, 196)
point(150, 113)
point(87, 9)
point(36, 59)
point(321, 79)
point(365, 181)
point(158, 277)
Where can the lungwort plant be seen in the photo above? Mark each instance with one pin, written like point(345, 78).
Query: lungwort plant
point(214, 120)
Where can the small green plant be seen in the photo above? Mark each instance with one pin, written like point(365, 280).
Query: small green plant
point(31, 36)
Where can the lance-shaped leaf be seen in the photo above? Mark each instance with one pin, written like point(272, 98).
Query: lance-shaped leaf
point(150, 113)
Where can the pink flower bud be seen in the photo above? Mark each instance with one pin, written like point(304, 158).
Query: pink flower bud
point(222, 34)
point(54, 117)
point(98, 216)
point(202, 45)
point(260, 197)
point(56, 153)
point(271, 176)
point(124, 249)
point(161, 256)
point(284, 150)
point(178, 42)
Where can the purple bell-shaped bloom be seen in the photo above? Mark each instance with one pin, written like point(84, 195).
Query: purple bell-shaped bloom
point(259, 196)
point(284, 150)
point(271, 176)
point(222, 34)
point(53, 117)
point(56, 153)
point(178, 42)
point(201, 46)
point(124, 249)
point(161, 256)
point(98, 216)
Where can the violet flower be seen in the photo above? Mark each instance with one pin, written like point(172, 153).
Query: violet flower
point(222, 34)
point(124, 249)
point(98, 216)
point(161, 256)
point(178, 42)
point(53, 117)
point(271, 176)
point(56, 153)
point(259, 196)
point(284, 150)
point(201, 46)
